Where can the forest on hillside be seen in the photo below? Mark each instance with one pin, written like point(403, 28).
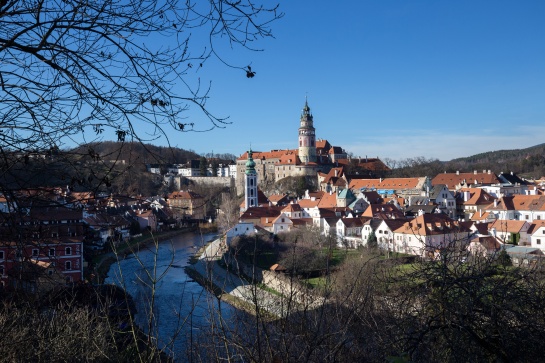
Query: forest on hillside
point(528, 163)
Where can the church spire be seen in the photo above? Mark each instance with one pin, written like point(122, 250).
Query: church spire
point(250, 182)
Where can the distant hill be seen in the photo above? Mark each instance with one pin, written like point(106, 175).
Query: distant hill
point(528, 162)
point(136, 153)
point(502, 156)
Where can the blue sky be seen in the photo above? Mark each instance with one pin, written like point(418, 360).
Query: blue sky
point(393, 79)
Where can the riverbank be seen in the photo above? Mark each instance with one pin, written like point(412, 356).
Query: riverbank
point(231, 288)
point(103, 262)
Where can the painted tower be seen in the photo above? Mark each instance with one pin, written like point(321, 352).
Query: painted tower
point(307, 137)
point(250, 183)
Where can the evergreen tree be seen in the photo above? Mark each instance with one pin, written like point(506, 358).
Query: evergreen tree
point(203, 166)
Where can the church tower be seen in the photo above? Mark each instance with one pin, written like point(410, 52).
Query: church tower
point(250, 182)
point(307, 137)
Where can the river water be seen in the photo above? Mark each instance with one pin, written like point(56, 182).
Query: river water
point(182, 306)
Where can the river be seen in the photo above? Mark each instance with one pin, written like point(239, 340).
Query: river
point(183, 306)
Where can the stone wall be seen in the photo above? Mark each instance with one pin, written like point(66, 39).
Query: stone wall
point(287, 286)
point(223, 181)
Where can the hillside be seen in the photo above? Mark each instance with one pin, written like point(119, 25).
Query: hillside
point(528, 162)
point(136, 153)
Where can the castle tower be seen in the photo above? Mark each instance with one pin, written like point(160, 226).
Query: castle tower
point(250, 183)
point(307, 137)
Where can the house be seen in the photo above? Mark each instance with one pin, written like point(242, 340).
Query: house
point(537, 234)
point(472, 201)
point(484, 246)
point(282, 223)
point(187, 204)
point(441, 196)
point(146, 219)
point(349, 231)
point(240, 229)
point(518, 207)
point(428, 234)
point(384, 232)
point(332, 181)
point(293, 211)
point(510, 231)
point(45, 244)
point(389, 186)
point(256, 215)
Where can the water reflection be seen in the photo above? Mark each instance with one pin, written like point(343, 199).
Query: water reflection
point(182, 306)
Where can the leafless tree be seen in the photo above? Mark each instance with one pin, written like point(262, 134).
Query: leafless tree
point(75, 67)
point(74, 72)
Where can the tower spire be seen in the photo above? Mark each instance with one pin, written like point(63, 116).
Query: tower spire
point(250, 182)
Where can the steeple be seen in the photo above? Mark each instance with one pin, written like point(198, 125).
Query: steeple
point(250, 164)
point(307, 136)
point(250, 183)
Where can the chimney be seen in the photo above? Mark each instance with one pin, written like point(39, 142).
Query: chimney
point(336, 173)
point(475, 172)
point(495, 203)
point(457, 172)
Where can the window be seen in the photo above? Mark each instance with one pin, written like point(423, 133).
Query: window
point(1, 255)
point(538, 241)
point(68, 265)
point(51, 252)
point(1, 270)
point(35, 252)
point(68, 251)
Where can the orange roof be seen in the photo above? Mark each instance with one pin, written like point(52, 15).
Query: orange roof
point(520, 202)
point(308, 203)
point(277, 197)
point(431, 224)
point(292, 208)
point(510, 226)
point(453, 179)
point(388, 183)
point(477, 196)
point(328, 201)
point(478, 217)
point(388, 209)
point(273, 154)
point(184, 195)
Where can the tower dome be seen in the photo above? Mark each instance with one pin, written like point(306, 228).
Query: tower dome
point(250, 164)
